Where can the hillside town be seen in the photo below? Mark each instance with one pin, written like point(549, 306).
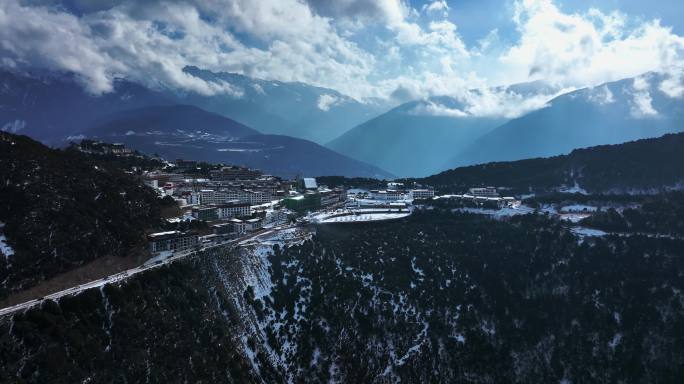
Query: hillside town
point(233, 201)
point(217, 204)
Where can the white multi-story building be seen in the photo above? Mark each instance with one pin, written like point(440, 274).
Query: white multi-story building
point(484, 192)
point(244, 226)
point(171, 241)
point(254, 197)
point(387, 195)
point(238, 226)
point(276, 217)
point(332, 196)
point(232, 209)
point(210, 196)
point(253, 224)
point(422, 194)
point(257, 197)
point(193, 198)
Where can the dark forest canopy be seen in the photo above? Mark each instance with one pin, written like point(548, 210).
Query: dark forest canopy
point(62, 209)
point(639, 166)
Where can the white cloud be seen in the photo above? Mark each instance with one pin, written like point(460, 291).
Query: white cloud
point(507, 104)
point(587, 49)
point(152, 43)
point(14, 126)
point(432, 108)
point(672, 85)
point(601, 95)
point(487, 102)
point(42, 38)
point(641, 105)
point(411, 54)
point(325, 102)
point(438, 6)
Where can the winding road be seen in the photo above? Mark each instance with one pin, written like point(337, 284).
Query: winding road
point(133, 271)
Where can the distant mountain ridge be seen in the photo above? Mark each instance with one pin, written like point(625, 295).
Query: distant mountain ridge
point(293, 109)
point(427, 136)
point(415, 139)
point(184, 119)
point(55, 109)
point(409, 142)
point(188, 132)
point(419, 137)
point(50, 105)
point(612, 113)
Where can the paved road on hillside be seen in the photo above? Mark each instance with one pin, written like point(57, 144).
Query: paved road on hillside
point(133, 271)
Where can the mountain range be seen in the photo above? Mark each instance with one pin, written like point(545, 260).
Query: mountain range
point(427, 136)
point(188, 132)
point(51, 106)
point(612, 113)
point(415, 139)
point(409, 142)
point(55, 109)
point(275, 107)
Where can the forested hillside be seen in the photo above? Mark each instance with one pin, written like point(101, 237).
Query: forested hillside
point(638, 166)
point(61, 209)
point(662, 214)
point(440, 296)
point(163, 328)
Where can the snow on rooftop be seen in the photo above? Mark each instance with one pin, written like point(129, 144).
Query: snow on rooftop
point(358, 216)
point(159, 234)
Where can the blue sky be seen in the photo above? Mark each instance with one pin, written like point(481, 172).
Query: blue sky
point(369, 49)
point(475, 18)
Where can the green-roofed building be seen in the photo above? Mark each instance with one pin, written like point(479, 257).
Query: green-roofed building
point(307, 202)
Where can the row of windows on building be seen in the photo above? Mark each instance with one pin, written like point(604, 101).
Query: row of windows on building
point(397, 194)
point(210, 196)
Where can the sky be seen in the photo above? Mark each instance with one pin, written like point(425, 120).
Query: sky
point(394, 50)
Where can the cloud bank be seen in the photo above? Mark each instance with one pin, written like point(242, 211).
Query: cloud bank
point(367, 49)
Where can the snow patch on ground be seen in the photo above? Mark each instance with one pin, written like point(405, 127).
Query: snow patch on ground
point(574, 217)
point(417, 270)
point(420, 339)
point(498, 213)
point(254, 272)
point(617, 338)
point(160, 257)
point(4, 247)
point(583, 232)
point(574, 189)
point(578, 208)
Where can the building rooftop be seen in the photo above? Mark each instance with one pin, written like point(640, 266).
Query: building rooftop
point(163, 234)
point(310, 183)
